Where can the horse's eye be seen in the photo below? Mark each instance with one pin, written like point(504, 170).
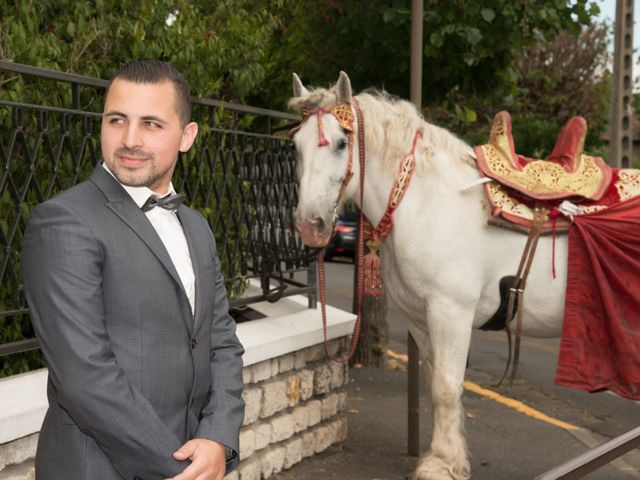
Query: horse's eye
point(342, 143)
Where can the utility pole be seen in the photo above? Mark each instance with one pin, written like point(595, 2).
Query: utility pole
point(413, 369)
point(621, 125)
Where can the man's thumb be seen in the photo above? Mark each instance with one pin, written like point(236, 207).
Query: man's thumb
point(184, 452)
point(180, 455)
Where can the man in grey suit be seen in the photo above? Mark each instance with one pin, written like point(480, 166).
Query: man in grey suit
point(128, 302)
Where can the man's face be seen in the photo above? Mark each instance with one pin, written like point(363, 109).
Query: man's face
point(141, 133)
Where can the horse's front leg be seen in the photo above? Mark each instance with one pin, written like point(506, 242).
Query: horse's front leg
point(450, 334)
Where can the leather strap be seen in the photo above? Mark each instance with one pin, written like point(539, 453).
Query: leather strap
point(355, 338)
point(516, 293)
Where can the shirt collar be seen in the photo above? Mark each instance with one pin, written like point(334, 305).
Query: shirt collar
point(139, 194)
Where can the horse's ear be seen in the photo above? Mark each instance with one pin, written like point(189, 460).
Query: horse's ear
point(298, 88)
point(343, 88)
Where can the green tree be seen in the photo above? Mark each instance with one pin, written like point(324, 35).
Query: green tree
point(557, 79)
point(219, 46)
point(539, 59)
point(470, 47)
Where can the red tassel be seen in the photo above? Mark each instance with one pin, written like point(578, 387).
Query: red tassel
point(371, 269)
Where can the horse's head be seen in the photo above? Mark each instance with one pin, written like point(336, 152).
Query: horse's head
point(324, 145)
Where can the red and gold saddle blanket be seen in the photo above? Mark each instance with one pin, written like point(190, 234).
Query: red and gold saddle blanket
point(600, 345)
point(520, 183)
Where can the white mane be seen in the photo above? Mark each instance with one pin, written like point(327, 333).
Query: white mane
point(390, 125)
point(316, 98)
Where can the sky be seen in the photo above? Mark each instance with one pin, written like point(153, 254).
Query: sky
point(608, 8)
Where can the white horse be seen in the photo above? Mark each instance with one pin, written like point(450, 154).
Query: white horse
point(442, 262)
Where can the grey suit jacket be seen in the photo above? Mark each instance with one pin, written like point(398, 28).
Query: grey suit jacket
point(133, 374)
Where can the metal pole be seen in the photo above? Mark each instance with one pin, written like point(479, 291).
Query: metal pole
point(413, 397)
point(356, 267)
point(417, 15)
point(620, 133)
point(413, 368)
point(595, 458)
point(312, 281)
point(75, 96)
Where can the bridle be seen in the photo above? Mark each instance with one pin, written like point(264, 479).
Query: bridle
point(368, 273)
point(344, 115)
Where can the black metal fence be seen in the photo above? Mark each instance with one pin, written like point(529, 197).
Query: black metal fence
point(240, 174)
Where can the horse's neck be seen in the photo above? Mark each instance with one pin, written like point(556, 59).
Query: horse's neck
point(377, 186)
point(441, 176)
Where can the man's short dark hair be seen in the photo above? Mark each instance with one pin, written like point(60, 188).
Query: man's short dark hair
point(155, 72)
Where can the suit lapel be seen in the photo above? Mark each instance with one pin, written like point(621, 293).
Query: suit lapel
point(121, 203)
point(198, 257)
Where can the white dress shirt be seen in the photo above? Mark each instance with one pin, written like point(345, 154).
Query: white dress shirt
point(170, 231)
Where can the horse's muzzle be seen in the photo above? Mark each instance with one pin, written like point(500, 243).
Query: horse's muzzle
point(314, 233)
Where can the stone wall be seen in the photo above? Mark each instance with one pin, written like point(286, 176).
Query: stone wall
point(16, 458)
point(294, 409)
point(295, 397)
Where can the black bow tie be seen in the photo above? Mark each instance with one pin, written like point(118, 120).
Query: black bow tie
point(169, 202)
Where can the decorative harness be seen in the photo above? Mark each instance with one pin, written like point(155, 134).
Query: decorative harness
point(344, 115)
point(375, 236)
point(369, 279)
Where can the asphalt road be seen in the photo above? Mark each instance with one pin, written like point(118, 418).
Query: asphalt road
point(504, 442)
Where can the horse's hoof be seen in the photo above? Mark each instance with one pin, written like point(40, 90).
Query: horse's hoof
point(434, 468)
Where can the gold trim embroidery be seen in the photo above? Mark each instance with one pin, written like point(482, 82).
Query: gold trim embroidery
point(627, 186)
point(543, 176)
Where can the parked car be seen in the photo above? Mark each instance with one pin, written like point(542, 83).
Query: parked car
point(343, 242)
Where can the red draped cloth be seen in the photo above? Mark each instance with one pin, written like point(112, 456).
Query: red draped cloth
point(600, 345)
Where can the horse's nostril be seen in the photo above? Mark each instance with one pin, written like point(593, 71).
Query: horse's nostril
point(319, 224)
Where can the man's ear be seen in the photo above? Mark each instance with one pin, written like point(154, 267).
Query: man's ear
point(188, 136)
